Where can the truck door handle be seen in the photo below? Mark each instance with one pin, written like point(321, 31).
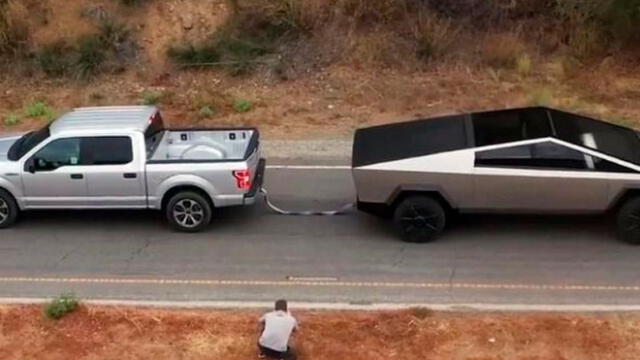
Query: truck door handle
point(130, 175)
point(77, 176)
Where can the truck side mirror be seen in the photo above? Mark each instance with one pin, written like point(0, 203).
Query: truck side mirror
point(30, 166)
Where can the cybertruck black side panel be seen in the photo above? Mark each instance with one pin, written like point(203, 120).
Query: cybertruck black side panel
point(391, 142)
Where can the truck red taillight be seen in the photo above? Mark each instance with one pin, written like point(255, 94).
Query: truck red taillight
point(243, 179)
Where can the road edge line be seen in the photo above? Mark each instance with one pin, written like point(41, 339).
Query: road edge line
point(463, 307)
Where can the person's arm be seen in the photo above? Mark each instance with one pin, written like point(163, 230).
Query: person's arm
point(261, 325)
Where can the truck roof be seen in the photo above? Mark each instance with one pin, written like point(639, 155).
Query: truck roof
point(104, 118)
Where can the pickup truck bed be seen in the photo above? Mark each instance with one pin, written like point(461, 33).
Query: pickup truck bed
point(205, 145)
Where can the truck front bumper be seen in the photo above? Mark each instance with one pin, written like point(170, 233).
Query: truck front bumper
point(250, 197)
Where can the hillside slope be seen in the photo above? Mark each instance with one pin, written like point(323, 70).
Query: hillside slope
point(314, 68)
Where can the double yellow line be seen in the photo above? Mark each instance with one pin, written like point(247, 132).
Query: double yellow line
point(305, 283)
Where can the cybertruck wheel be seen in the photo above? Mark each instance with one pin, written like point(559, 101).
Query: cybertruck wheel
point(8, 210)
point(419, 219)
point(188, 212)
point(628, 221)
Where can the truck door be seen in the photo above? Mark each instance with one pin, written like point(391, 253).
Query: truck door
point(55, 177)
point(543, 176)
point(115, 172)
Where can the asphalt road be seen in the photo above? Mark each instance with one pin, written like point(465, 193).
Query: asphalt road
point(254, 254)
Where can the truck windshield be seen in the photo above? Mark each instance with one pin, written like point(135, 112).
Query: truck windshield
point(27, 142)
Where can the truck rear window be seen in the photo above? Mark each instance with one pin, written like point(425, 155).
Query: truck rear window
point(107, 150)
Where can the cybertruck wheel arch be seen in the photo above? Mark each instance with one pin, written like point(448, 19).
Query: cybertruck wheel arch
point(437, 192)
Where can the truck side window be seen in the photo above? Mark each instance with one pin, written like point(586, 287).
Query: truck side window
point(545, 155)
point(107, 150)
point(58, 153)
point(497, 127)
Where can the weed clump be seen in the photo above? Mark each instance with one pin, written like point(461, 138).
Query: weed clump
point(12, 120)
point(39, 109)
point(61, 306)
point(110, 48)
point(242, 105)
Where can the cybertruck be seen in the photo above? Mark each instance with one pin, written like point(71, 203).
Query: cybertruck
point(528, 160)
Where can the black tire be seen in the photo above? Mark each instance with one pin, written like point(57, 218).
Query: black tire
point(188, 212)
point(628, 221)
point(8, 209)
point(419, 219)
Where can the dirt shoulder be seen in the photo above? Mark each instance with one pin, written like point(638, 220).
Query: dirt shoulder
point(134, 333)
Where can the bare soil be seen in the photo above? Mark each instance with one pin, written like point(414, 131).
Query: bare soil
point(136, 333)
point(337, 80)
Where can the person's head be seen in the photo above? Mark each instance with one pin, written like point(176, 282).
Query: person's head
point(281, 305)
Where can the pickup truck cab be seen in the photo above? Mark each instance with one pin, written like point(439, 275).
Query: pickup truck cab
point(123, 157)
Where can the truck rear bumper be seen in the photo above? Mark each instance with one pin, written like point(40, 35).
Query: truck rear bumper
point(250, 197)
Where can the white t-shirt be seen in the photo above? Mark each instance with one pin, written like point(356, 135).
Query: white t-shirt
point(278, 326)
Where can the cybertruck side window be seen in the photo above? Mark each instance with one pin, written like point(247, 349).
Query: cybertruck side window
point(504, 126)
point(546, 155)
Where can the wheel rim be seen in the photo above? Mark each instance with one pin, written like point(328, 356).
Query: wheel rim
point(419, 222)
point(4, 210)
point(188, 213)
point(632, 222)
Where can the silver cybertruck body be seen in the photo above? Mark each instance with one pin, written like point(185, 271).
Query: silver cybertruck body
point(529, 160)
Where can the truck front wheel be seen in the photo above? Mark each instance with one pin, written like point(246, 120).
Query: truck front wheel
point(8, 209)
point(628, 221)
point(188, 212)
point(419, 219)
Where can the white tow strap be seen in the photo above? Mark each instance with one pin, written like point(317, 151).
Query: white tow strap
point(342, 210)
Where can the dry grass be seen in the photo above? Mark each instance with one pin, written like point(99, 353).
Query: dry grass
point(13, 29)
point(502, 50)
point(98, 333)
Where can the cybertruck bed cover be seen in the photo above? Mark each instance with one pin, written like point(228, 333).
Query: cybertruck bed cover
point(423, 137)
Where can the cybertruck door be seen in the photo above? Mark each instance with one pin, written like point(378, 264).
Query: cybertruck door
point(544, 176)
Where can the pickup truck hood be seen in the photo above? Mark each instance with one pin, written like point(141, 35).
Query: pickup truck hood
point(6, 140)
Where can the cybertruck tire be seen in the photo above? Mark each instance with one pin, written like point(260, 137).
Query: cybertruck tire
point(188, 211)
point(628, 221)
point(419, 219)
point(8, 209)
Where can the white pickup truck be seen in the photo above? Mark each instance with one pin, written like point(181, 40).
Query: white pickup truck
point(122, 157)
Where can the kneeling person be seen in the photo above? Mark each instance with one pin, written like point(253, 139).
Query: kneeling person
point(276, 329)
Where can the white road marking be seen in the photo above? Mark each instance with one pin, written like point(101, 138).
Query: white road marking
point(310, 167)
point(289, 283)
point(462, 307)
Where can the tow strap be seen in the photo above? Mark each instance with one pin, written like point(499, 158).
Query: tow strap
point(342, 210)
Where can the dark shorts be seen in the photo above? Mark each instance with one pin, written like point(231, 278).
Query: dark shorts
point(272, 354)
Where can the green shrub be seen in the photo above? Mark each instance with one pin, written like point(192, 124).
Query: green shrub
point(242, 105)
point(206, 112)
point(55, 59)
point(152, 97)
point(523, 65)
point(91, 56)
point(541, 97)
point(38, 109)
point(61, 306)
point(190, 55)
point(12, 119)
point(134, 2)
point(422, 312)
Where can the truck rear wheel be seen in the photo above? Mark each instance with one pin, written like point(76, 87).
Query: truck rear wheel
point(8, 209)
point(628, 221)
point(419, 219)
point(188, 212)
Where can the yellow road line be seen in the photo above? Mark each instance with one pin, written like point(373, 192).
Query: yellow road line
point(361, 284)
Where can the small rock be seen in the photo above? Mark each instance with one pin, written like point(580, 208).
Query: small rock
point(492, 340)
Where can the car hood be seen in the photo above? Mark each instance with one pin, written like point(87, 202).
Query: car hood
point(6, 140)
